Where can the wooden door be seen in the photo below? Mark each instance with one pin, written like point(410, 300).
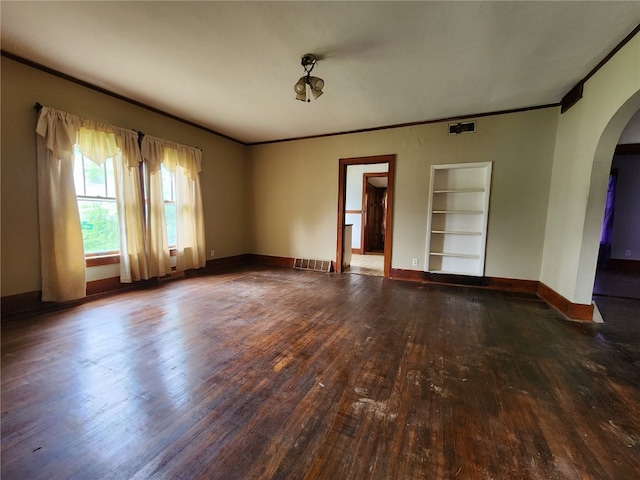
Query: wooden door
point(374, 219)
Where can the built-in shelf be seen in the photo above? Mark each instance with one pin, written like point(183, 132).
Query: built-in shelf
point(461, 190)
point(448, 272)
point(451, 254)
point(457, 222)
point(461, 212)
point(454, 232)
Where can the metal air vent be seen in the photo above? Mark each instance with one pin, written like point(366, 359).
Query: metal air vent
point(308, 264)
point(458, 128)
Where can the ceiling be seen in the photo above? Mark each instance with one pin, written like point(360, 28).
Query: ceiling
point(230, 66)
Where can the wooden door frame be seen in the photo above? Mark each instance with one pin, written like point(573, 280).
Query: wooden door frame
point(365, 178)
point(342, 199)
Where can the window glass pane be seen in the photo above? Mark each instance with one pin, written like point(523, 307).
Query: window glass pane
point(99, 221)
point(111, 181)
point(170, 217)
point(168, 185)
point(95, 179)
point(78, 173)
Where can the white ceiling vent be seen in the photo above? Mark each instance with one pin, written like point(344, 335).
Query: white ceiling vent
point(465, 127)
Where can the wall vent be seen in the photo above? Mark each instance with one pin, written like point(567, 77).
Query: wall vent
point(458, 128)
point(308, 264)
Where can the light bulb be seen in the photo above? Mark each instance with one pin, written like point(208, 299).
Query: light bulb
point(300, 87)
point(316, 83)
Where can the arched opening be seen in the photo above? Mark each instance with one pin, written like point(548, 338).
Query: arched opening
point(616, 291)
point(598, 187)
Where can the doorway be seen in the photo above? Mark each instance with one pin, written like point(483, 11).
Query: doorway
point(376, 211)
point(374, 201)
point(618, 265)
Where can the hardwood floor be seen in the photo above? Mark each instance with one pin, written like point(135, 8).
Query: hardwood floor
point(273, 373)
point(367, 265)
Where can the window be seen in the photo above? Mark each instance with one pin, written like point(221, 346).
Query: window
point(95, 190)
point(169, 194)
point(108, 222)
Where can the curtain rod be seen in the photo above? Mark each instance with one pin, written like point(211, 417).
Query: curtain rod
point(38, 106)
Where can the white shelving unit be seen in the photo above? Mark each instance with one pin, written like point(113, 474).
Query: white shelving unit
point(457, 223)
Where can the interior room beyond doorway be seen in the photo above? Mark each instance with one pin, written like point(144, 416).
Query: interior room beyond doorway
point(365, 215)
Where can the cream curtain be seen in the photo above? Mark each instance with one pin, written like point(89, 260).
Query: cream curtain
point(61, 248)
point(157, 244)
point(144, 250)
point(134, 265)
point(185, 162)
point(99, 141)
point(62, 251)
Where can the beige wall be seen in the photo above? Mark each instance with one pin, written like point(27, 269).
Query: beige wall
point(586, 139)
point(281, 199)
point(294, 187)
point(223, 172)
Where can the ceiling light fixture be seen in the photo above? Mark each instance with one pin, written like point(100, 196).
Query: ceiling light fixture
point(308, 86)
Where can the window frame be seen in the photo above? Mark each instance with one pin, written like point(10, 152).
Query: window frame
point(96, 258)
point(113, 257)
point(172, 195)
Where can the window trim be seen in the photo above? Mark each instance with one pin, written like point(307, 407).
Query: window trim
point(97, 259)
point(112, 258)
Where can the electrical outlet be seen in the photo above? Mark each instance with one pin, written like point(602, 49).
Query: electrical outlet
point(414, 262)
point(213, 252)
point(628, 253)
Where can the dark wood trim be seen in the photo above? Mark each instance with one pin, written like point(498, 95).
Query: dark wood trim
point(627, 149)
point(30, 302)
point(111, 284)
point(94, 261)
point(567, 102)
point(271, 260)
point(114, 258)
point(408, 275)
point(612, 53)
point(363, 212)
point(357, 251)
point(354, 212)
point(575, 94)
point(367, 175)
point(493, 283)
point(117, 96)
point(413, 124)
point(572, 97)
point(343, 163)
point(226, 262)
point(573, 311)
point(21, 302)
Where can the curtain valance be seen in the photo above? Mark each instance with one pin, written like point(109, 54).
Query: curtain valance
point(158, 151)
point(96, 140)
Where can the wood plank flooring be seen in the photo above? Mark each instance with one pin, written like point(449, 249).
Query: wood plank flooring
point(272, 373)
